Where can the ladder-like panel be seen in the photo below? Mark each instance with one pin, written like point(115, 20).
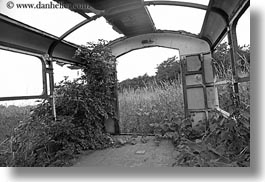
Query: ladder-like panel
point(200, 93)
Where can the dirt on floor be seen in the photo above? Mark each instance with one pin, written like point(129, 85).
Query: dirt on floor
point(131, 151)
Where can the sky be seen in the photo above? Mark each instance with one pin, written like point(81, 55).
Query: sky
point(25, 77)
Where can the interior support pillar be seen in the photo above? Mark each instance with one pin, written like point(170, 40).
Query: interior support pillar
point(232, 40)
point(51, 85)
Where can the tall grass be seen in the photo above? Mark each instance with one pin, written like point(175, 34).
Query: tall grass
point(153, 103)
point(10, 116)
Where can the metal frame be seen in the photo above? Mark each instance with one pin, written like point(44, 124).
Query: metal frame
point(204, 85)
point(183, 64)
point(40, 35)
point(49, 71)
point(167, 39)
point(182, 4)
point(46, 60)
point(68, 32)
point(116, 124)
point(232, 39)
point(44, 94)
point(229, 22)
point(176, 3)
point(159, 2)
point(47, 68)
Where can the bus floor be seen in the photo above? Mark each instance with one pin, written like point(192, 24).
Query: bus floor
point(149, 153)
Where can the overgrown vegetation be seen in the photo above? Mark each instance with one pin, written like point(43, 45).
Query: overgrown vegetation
point(226, 143)
point(10, 116)
point(82, 106)
point(222, 61)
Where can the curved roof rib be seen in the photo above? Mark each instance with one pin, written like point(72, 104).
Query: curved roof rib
point(176, 3)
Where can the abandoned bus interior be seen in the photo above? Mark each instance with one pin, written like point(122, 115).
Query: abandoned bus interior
point(134, 27)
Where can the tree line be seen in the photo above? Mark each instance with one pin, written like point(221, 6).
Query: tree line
point(170, 69)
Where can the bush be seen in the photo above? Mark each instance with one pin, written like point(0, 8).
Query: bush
point(226, 143)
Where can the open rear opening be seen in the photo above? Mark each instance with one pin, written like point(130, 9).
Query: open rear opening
point(150, 93)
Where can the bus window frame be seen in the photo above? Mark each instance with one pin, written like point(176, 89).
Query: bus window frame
point(44, 94)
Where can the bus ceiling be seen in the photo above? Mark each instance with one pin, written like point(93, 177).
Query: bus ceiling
point(128, 17)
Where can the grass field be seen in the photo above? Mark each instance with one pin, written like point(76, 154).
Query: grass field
point(152, 104)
